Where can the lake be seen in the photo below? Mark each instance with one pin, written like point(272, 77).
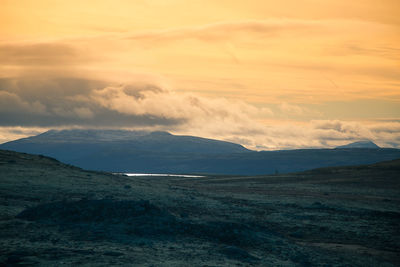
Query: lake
point(161, 174)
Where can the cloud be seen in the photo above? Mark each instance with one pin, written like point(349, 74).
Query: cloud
point(291, 109)
point(296, 111)
point(223, 31)
point(66, 102)
point(320, 134)
point(10, 102)
point(40, 54)
point(309, 60)
point(51, 102)
point(381, 51)
point(155, 101)
point(284, 64)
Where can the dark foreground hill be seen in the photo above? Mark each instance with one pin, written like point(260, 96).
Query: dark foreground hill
point(53, 214)
point(161, 152)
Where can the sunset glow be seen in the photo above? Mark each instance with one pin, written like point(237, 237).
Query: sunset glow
point(265, 74)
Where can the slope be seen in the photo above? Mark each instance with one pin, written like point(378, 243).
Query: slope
point(53, 214)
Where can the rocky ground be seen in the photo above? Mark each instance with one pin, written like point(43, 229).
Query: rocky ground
point(53, 214)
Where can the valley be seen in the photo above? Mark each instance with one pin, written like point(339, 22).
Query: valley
point(56, 214)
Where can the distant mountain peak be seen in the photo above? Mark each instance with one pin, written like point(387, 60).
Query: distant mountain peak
point(360, 144)
point(87, 140)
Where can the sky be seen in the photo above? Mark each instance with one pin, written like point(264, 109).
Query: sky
point(266, 74)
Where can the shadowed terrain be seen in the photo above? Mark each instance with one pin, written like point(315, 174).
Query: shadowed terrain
point(55, 214)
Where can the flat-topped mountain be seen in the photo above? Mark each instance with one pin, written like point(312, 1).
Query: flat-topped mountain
point(360, 144)
point(162, 152)
point(131, 140)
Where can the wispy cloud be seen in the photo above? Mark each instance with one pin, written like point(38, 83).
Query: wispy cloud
point(223, 31)
point(40, 54)
point(318, 59)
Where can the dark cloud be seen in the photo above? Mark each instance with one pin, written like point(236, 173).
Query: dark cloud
point(81, 102)
point(39, 88)
point(66, 101)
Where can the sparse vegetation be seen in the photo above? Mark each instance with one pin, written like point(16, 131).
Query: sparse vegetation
point(53, 214)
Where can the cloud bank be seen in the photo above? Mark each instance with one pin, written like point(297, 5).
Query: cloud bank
point(77, 102)
point(51, 102)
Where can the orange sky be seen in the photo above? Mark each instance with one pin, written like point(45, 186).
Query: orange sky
point(245, 71)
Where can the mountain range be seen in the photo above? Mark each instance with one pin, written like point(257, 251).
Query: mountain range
point(162, 152)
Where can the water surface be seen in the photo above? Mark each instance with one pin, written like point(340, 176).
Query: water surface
point(161, 174)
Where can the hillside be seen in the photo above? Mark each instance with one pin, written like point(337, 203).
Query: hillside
point(53, 214)
point(161, 152)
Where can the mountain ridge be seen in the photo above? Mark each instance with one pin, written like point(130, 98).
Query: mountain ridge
point(139, 140)
point(162, 152)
